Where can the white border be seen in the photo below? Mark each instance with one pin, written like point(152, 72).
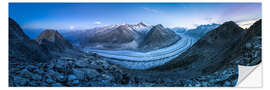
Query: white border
point(4, 38)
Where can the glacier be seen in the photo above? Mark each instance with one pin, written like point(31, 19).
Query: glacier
point(145, 60)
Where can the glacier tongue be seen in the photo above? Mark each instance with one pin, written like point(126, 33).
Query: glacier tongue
point(144, 60)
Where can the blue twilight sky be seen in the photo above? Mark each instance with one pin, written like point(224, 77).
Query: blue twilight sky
point(78, 16)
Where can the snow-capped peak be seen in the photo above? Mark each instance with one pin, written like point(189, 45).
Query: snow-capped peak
point(141, 27)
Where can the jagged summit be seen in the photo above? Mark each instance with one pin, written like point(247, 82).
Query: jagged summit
point(141, 28)
point(53, 40)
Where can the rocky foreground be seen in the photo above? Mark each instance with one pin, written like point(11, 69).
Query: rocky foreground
point(94, 71)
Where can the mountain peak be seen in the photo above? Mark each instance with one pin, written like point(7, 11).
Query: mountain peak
point(50, 35)
point(158, 27)
point(230, 23)
point(224, 32)
point(230, 26)
point(53, 40)
point(159, 37)
point(141, 23)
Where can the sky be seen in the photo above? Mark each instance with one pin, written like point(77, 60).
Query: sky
point(81, 16)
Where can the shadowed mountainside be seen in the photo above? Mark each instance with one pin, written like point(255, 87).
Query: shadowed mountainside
point(22, 48)
point(226, 44)
point(210, 51)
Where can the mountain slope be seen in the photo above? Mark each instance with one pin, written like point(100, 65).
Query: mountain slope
point(159, 37)
point(211, 52)
point(22, 48)
point(53, 41)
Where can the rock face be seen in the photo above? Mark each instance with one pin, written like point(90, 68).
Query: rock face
point(22, 48)
point(53, 41)
point(159, 37)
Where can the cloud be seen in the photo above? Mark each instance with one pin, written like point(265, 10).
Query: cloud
point(209, 19)
point(97, 22)
point(247, 23)
point(71, 27)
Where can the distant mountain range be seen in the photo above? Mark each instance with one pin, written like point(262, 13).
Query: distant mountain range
point(123, 36)
point(198, 32)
